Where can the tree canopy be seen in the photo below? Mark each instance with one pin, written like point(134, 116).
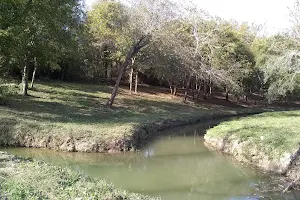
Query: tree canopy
point(169, 44)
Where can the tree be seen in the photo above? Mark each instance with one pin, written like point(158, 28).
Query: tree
point(144, 19)
point(282, 73)
point(38, 31)
point(230, 57)
point(106, 22)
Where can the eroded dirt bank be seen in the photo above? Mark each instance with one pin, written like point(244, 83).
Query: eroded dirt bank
point(287, 164)
point(134, 138)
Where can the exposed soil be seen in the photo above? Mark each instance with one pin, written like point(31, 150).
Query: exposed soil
point(141, 134)
point(288, 165)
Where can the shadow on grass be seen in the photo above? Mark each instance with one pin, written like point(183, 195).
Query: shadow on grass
point(92, 88)
point(81, 104)
point(68, 94)
point(91, 110)
point(64, 113)
point(157, 106)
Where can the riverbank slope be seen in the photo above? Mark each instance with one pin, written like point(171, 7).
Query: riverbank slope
point(270, 141)
point(73, 117)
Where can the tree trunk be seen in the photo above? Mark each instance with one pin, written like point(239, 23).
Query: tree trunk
point(210, 86)
point(108, 73)
point(193, 90)
point(122, 71)
point(143, 41)
point(130, 80)
point(171, 89)
point(186, 89)
point(62, 77)
point(246, 98)
point(199, 90)
point(205, 91)
point(33, 74)
point(25, 80)
point(175, 90)
point(196, 89)
point(227, 94)
point(185, 95)
point(136, 82)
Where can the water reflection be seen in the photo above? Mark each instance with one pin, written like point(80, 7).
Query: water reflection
point(176, 165)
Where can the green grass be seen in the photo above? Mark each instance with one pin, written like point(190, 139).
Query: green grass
point(6, 93)
point(59, 111)
point(82, 108)
point(277, 133)
point(18, 181)
point(64, 109)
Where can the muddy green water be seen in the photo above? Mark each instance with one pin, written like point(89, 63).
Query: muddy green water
point(175, 166)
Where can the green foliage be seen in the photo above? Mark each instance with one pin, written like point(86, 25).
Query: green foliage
point(282, 75)
point(230, 53)
point(107, 20)
point(191, 47)
point(18, 191)
point(45, 30)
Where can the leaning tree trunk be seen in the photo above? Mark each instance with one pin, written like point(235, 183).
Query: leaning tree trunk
point(25, 80)
point(136, 82)
point(143, 41)
point(122, 70)
point(34, 73)
point(130, 80)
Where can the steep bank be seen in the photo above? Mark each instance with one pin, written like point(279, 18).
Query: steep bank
point(131, 139)
point(73, 117)
point(270, 141)
point(29, 179)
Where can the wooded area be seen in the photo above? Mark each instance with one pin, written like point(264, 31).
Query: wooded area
point(160, 43)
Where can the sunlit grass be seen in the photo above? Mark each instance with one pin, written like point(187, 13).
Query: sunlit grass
point(65, 110)
point(81, 107)
point(276, 133)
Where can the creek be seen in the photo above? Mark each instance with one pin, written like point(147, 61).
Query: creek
point(176, 165)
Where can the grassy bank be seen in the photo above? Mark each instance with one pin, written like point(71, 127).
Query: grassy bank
point(269, 140)
point(276, 132)
point(73, 117)
point(19, 181)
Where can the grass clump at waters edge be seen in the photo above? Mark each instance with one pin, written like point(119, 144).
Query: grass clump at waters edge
point(274, 133)
point(29, 179)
